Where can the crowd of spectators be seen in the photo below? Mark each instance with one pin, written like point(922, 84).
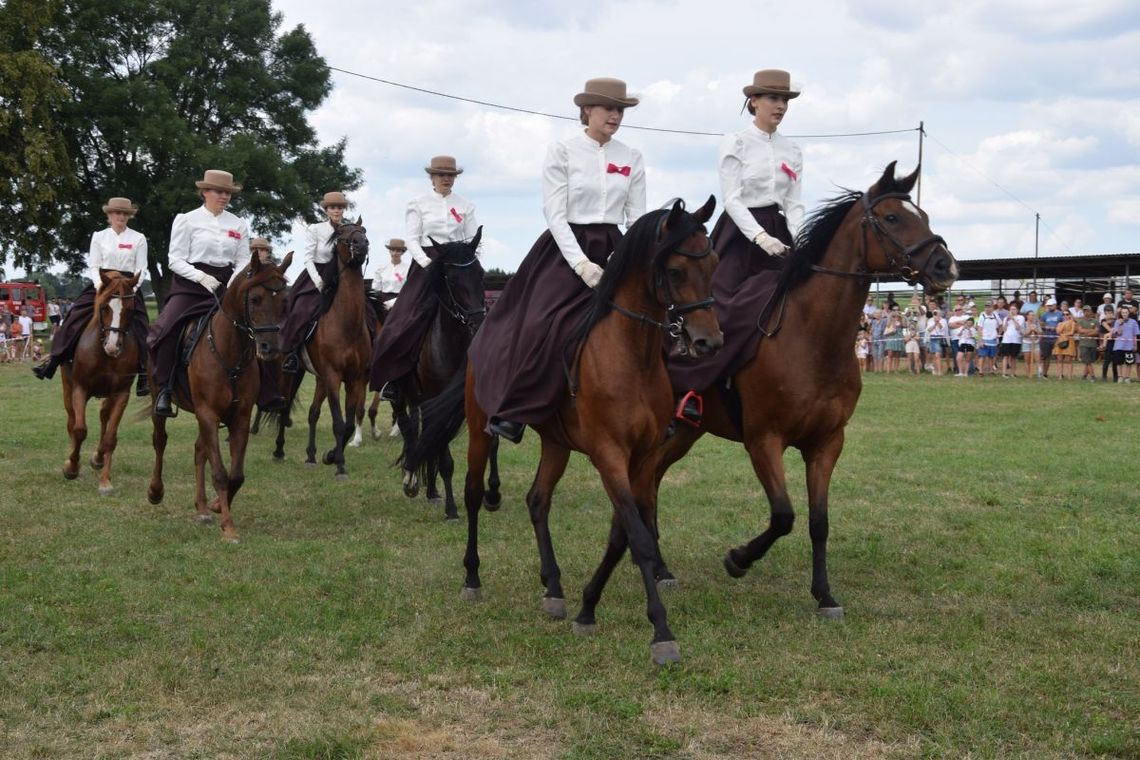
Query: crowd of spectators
point(1041, 339)
point(18, 340)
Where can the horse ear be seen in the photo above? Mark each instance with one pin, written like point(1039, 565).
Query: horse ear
point(254, 262)
point(906, 184)
point(478, 236)
point(360, 222)
point(285, 263)
point(705, 212)
point(886, 183)
point(433, 243)
point(674, 213)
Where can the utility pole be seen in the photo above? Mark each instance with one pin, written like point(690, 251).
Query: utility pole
point(1036, 244)
point(921, 134)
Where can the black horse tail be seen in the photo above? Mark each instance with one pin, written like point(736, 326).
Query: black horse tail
point(442, 417)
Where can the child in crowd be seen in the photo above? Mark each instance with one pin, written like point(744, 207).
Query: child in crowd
point(967, 339)
point(1104, 329)
point(1031, 344)
point(1011, 329)
point(862, 349)
point(913, 354)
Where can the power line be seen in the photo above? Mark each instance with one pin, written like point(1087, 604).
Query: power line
point(561, 117)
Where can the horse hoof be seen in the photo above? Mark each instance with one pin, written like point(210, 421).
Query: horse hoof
point(106, 490)
point(733, 569)
point(554, 607)
point(665, 583)
point(492, 503)
point(342, 476)
point(376, 434)
point(70, 475)
point(830, 613)
point(154, 497)
point(310, 463)
point(468, 594)
point(231, 540)
point(329, 457)
point(278, 457)
point(451, 516)
point(665, 653)
point(216, 506)
point(96, 464)
point(204, 519)
point(584, 629)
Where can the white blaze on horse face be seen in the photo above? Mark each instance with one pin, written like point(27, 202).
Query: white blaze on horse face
point(912, 209)
point(111, 344)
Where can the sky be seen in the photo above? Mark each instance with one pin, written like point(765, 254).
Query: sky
point(1030, 106)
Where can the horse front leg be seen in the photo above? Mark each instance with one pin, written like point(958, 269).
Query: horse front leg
point(340, 425)
point(674, 448)
point(551, 467)
point(75, 401)
point(820, 464)
point(409, 427)
point(354, 394)
point(239, 442)
point(768, 463)
point(211, 450)
point(373, 410)
point(112, 415)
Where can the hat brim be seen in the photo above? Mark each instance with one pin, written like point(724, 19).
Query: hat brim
point(444, 172)
point(400, 248)
point(128, 211)
point(324, 204)
point(584, 99)
point(202, 185)
point(751, 90)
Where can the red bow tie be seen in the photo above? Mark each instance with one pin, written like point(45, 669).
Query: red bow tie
point(615, 169)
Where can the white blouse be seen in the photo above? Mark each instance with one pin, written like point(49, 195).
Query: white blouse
point(444, 218)
point(579, 187)
point(318, 247)
point(200, 237)
point(759, 169)
point(389, 277)
point(125, 252)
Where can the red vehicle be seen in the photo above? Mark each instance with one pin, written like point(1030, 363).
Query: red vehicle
point(28, 296)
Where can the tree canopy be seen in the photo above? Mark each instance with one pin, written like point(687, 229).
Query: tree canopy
point(138, 98)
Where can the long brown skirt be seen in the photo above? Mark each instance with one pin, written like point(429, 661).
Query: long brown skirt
point(519, 354)
point(186, 300)
point(304, 306)
point(742, 285)
point(397, 347)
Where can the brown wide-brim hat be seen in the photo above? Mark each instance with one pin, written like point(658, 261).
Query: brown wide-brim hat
point(216, 179)
point(396, 244)
point(121, 204)
point(442, 165)
point(604, 91)
point(334, 198)
point(771, 82)
point(260, 243)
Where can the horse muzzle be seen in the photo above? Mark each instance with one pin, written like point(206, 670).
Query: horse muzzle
point(940, 270)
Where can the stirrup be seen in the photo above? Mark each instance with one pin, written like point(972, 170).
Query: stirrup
point(390, 391)
point(291, 364)
point(690, 409)
point(511, 431)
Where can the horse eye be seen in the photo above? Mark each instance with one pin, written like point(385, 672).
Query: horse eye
point(891, 218)
point(676, 275)
point(255, 300)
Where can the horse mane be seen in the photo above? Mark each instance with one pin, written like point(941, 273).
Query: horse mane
point(641, 236)
point(814, 238)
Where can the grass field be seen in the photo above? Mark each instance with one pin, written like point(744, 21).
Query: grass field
point(985, 544)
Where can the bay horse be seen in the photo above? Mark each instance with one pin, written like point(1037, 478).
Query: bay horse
point(456, 279)
point(104, 366)
point(339, 348)
point(617, 412)
point(223, 381)
point(801, 386)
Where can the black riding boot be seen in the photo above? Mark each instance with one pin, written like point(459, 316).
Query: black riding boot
point(162, 405)
point(390, 392)
point(46, 370)
point(512, 431)
point(142, 386)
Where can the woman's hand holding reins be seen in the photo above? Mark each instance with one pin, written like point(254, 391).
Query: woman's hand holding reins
point(771, 245)
point(590, 272)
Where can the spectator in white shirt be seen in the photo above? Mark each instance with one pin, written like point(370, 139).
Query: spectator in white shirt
point(591, 183)
point(444, 217)
point(116, 248)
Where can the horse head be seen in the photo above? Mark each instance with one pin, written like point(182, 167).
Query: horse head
point(682, 278)
point(113, 306)
point(458, 280)
point(897, 235)
point(351, 244)
point(255, 303)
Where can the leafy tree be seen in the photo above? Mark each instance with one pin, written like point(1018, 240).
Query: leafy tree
point(141, 97)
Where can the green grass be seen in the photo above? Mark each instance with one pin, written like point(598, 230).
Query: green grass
point(985, 544)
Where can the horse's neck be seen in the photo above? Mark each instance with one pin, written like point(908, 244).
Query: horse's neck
point(350, 291)
point(641, 341)
point(228, 339)
point(825, 308)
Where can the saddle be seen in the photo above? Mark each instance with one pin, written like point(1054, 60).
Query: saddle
point(188, 340)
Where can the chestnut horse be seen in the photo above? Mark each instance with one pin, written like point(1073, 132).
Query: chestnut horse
point(223, 379)
point(104, 366)
point(456, 279)
point(338, 350)
point(801, 386)
point(659, 279)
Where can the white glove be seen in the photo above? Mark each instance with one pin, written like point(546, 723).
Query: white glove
point(319, 284)
point(771, 245)
point(209, 282)
point(389, 304)
point(422, 259)
point(590, 272)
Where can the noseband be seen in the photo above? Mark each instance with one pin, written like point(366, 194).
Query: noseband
point(899, 256)
point(469, 318)
point(357, 250)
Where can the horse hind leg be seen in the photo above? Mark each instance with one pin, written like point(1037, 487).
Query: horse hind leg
point(408, 422)
point(373, 411)
point(551, 467)
point(158, 438)
point(202, 513)
point(111, 416)
point(75, 401)
point(478, 444)
point(493, 498)
point(447, 471)
point(314, 416)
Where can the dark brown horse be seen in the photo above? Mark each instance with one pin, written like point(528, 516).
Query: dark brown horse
point(223, 382)
point(338, 351)
point(104, 366)
point(456, 279)
point(659, 279)
point(801, 387)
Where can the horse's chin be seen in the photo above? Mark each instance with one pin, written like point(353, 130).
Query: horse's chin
point(268, 356)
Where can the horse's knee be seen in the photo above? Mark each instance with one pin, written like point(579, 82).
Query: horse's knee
point(782, 522)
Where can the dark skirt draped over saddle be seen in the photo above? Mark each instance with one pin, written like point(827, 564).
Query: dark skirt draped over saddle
point(520, 354)
point(397, 346)
point(68, 335)
point(743, 285)
point(186, 300)
point(305, 306)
